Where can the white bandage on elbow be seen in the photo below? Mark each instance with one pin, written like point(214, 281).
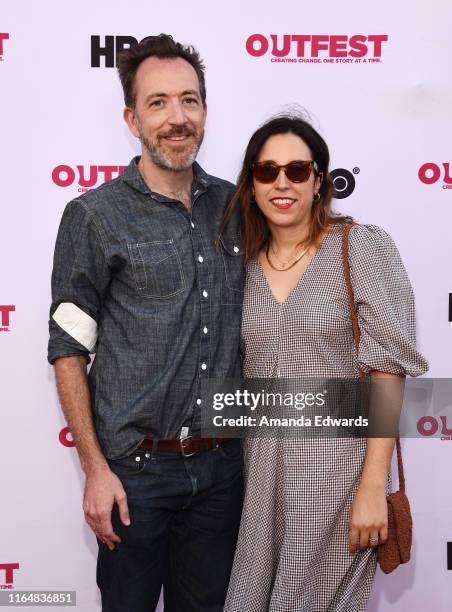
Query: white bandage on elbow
point(75, 322)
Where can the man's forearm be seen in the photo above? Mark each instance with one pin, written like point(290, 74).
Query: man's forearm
point(73, 391)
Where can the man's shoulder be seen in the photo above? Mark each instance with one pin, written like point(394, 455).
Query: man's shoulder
point(214, 182)
point(98, 200)
point(222, 183)
point(220, 193)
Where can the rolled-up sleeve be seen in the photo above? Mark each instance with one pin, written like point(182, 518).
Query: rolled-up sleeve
point(80, 277)
point(385, 304)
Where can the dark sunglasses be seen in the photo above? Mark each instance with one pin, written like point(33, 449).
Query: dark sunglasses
point(296, 171)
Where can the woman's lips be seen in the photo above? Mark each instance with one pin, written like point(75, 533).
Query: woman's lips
point(282, 203)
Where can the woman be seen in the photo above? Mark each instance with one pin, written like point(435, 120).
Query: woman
point(314, 510)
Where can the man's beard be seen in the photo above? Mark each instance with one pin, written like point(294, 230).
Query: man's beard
point(173, 160)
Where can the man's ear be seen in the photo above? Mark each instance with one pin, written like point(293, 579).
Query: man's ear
point(131, 120)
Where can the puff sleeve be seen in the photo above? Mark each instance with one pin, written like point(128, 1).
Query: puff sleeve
point(385, 304)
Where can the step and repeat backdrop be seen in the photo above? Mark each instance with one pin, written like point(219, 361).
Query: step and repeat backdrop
point(375, 81)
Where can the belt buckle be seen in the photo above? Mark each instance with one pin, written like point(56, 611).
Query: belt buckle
point(182, 448)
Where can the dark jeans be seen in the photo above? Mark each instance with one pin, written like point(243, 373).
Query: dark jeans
point(185, 514)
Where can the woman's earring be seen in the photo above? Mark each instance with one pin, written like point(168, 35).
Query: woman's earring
point(316, 197)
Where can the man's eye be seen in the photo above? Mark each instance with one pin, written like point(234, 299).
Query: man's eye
point(190, 101)
point(156, 103)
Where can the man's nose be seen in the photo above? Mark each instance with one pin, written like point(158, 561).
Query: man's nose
point(176, 113)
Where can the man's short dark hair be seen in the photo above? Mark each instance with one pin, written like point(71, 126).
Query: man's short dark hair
point(162, 46)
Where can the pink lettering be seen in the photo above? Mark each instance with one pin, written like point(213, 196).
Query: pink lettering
point(3, 36)
point(285, 48)
point(428, 180)
point(319, 42)
point(251, 47)
point(422, 426)
point(9, 569)
point(63, 182)
point(83, 182)
point(5, 310)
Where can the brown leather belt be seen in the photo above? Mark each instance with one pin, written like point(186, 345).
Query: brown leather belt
point(185, 446)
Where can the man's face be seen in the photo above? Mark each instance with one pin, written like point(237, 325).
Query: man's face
point(169, 115)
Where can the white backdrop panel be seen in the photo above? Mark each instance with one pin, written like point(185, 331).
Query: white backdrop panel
point(386, 118)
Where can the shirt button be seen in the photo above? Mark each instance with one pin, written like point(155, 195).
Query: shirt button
point(199, 401)
point(192, 224)
point(204, 293)
point(236, 249)
point(203, 366)
point(200, 258)
point(205, 330)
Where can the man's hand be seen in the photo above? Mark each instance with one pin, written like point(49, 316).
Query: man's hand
point(368, 519)
point(102, 489)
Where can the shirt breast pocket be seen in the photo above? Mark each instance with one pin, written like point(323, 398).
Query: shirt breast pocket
point(157, 269)
point(234, 269)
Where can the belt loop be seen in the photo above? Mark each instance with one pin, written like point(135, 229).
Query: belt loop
point(155, 442)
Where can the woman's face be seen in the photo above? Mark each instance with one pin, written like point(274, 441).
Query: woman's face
point(284, 203)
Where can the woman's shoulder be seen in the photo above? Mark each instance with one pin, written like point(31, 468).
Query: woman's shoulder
point(367, 237)
point(364, 235)
point(371, 247)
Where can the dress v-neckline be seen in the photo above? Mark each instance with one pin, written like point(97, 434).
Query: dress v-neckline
point(300, 279)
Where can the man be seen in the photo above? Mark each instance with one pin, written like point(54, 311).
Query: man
point(141, 279)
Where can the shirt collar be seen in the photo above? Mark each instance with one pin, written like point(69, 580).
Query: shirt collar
point(132, 176)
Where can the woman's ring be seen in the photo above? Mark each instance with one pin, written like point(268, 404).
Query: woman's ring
point(373, 540)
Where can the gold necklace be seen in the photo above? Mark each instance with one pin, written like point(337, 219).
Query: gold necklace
point(283, 263)
point(302, 254)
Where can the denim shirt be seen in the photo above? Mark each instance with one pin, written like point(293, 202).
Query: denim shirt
point(145, 284)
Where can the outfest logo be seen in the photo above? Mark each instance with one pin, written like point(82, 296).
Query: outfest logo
point(7, 572)
point(429, 426)
point(85, 177)
point(430, 173)
point(3, 36)
point(318, 48)
point(5, 312)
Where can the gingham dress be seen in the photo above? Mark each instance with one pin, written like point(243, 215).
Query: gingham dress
point(292, 553)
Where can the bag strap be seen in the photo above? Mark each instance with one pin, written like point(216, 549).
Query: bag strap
point(356, 333)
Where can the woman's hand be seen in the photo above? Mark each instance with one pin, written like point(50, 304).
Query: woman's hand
point(368, 525)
